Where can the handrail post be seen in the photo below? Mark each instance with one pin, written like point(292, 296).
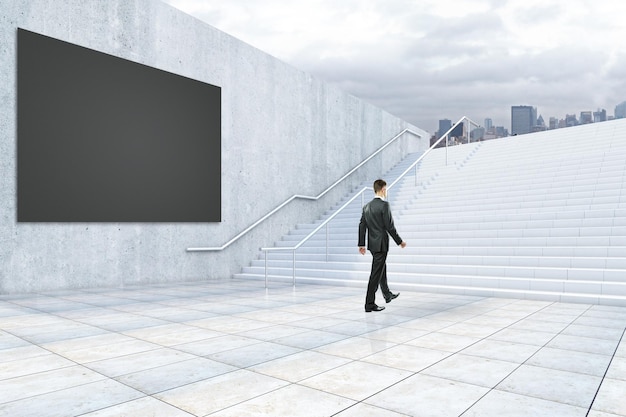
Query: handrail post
point(265, 269)
point(327, 241)
point(294, 268)
point(447, 137)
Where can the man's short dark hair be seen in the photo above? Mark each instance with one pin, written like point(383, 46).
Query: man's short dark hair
point(378, 185)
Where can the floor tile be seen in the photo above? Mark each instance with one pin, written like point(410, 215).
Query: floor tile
point(427, 323)
point(292, 401)
point(246, 356)
point(8, 341)
point(611, 397)
point(223, 391)
point(136, 362)
point(317, 323)
point(72, 401)
point(354, 328)
point(33, 365)
point(444, 341)
point(354, 347)
point(617, 370)
point(584, 344)
point(273, 316)
point(228, 324)
point(299, 366)
point(89, 342)
point(595, 331)
point(410, 358)
point(214, 345)
point(521, 336)
point(310, 339)
point(428, 396)
point(621, 349)
point(572, 361)
point(178, 335)
point(366, 410)
point(605, 321)
point(274, 332)
point(553, 385)
point(167, 377)
point(538, 325)
point(472, 370)
point(31, 385)
point(395, 334)
point(594, 413)
point(505, 404)
point(477, 331)
point(356, 380)
point(68, 334)
point(8, 355)
point(145, 406)
point(109, 351)
point(504, 351)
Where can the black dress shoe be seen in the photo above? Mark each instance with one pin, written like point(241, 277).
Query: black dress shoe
point(375, 308)
point(391, 296)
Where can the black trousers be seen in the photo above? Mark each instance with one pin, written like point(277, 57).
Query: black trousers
point(378, 277)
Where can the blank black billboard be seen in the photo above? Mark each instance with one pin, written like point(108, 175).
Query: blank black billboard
point(104, 139)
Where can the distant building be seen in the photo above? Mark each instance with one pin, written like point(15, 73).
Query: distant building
point(553, 123)
point(585, 117)
point(444, 126)
point(570, 120)
point(540, 126)
point(599, 116)
point(488, 124)
point(477, 134)
point(523, 119)
point(620, 110)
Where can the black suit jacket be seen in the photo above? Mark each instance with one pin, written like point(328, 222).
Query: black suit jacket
point(376, 219)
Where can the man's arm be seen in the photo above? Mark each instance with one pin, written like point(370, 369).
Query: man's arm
point(390, 227)
point(362, 230)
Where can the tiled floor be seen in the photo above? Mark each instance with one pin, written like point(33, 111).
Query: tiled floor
point(233, 348)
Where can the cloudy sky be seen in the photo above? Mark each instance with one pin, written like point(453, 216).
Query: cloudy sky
point(425, 60)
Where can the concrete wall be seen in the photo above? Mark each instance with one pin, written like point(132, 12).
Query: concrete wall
point(283, 133)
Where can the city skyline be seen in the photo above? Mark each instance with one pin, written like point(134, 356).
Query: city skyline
point(565, 120)
point(534, 121)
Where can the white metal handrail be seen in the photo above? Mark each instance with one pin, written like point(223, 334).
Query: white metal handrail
point(297, 196)
point(360, 193)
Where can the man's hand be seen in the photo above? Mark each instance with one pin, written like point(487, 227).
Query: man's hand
point(403, 244)
point(362, 250)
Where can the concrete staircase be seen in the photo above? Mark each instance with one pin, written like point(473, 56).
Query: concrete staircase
point(537, 216)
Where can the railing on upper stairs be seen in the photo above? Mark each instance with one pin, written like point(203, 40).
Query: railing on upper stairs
point(361, 192)
point(304, 197)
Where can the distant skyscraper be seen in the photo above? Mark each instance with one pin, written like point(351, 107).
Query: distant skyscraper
point(523, 119)
point(586, 117)
point(488, 124)
point(444, 126)
point(620, 110)
point(554, 123)
point(599, 116)
point(570, 120)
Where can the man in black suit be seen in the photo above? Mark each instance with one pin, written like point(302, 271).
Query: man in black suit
point(378, 222)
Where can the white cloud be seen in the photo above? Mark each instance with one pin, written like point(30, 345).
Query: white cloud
point(433, 59)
